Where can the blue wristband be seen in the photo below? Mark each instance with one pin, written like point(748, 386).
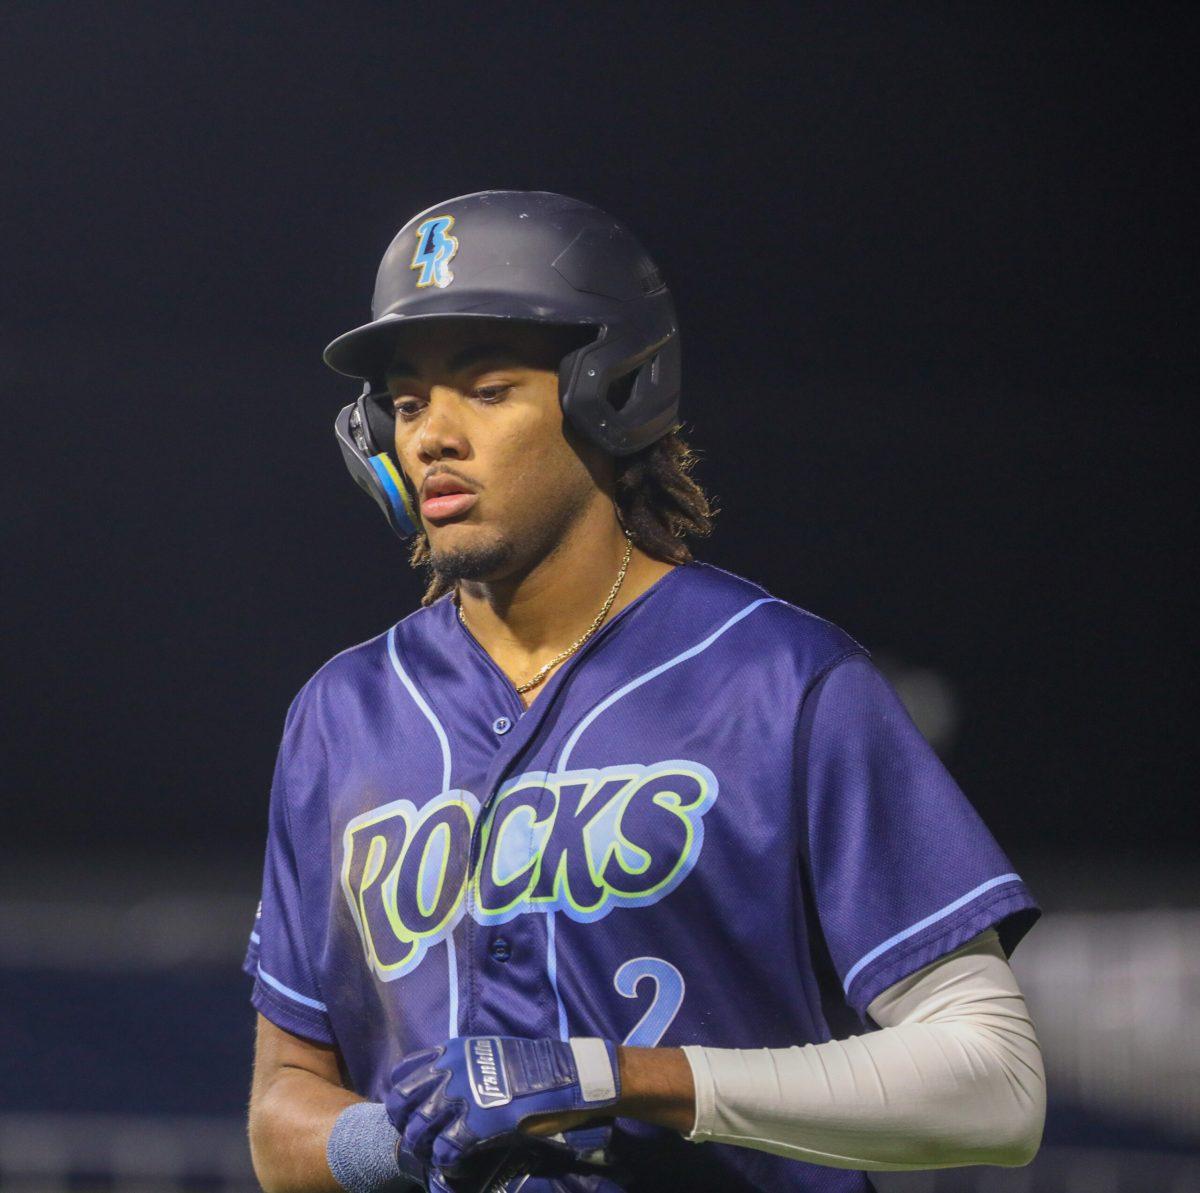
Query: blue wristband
point(362, 1151)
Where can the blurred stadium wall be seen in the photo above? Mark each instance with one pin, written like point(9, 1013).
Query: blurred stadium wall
point(127, 1034)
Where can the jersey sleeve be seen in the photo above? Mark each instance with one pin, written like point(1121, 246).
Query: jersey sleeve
point(902, 869)
point(286, 988)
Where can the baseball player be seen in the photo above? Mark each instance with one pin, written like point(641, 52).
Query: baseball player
point(605, 869)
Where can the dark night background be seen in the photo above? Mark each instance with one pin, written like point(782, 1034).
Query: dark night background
point(936, 276)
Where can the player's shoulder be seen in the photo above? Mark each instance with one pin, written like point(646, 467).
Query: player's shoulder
point(776, 626)
point(370, 663)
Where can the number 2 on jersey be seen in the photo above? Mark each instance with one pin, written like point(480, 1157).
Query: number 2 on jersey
point(669, 988)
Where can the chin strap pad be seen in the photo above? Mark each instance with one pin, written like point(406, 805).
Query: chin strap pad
point(373, 469)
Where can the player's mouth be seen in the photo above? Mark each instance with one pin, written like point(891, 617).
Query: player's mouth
point(445, 496)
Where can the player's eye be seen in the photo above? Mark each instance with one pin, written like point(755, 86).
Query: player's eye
point(492, 393)
point(407, 408)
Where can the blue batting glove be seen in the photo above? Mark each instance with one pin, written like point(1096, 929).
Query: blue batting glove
point(532, 1168)
point(474, 1092)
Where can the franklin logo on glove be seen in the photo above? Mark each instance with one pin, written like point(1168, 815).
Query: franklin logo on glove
point(485, 1060)
point(448, 1130)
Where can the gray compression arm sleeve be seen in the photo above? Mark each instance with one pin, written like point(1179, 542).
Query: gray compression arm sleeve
point(954, 1077)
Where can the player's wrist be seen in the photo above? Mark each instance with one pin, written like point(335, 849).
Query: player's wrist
point(656, 1087)
point(363, 1153)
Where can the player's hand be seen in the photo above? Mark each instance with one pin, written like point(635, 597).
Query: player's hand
point(472, 1093)
point(530, 1168)
point(568, 1183)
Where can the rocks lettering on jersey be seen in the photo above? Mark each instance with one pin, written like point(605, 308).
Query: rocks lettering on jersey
point(582, 842)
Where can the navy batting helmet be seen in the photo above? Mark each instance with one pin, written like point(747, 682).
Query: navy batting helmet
point(524, 255)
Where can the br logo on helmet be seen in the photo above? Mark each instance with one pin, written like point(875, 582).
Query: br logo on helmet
point(435, 249)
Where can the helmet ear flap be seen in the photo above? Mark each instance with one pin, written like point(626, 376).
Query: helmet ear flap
point(364, 431)
point(652, 405)
point(620, 393)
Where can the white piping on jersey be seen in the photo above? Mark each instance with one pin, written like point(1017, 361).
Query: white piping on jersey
point(941, 913)
point(254, 936)
point(444, 741)
point(288, 992)
point(452, 981)
point(419, 700)
point(654, 672)
point(606, 703)
point(552, 974)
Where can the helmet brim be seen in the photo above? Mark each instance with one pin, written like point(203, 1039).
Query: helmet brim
point(367, 351)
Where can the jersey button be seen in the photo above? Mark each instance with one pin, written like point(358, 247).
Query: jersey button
point(501, 950)
point(501, 725)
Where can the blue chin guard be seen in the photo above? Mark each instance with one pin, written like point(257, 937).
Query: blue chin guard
point(364, 431)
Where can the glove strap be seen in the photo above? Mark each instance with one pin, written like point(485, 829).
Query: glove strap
point(596, 1064)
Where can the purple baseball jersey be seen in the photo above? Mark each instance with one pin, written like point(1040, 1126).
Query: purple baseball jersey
point(715, 825)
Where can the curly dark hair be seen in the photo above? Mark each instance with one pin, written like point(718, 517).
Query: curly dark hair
point(658, 500)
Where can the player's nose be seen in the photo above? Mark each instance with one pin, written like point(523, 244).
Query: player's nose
point(442, 432)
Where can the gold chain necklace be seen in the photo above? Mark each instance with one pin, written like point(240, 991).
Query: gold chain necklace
point(566, 654)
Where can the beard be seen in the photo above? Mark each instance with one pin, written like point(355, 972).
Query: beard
point(501, 558)
point(481, 561)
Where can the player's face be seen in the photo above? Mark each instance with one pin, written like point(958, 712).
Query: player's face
point(500, 476)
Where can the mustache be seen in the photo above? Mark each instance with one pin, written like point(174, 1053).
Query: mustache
point(439, 471)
